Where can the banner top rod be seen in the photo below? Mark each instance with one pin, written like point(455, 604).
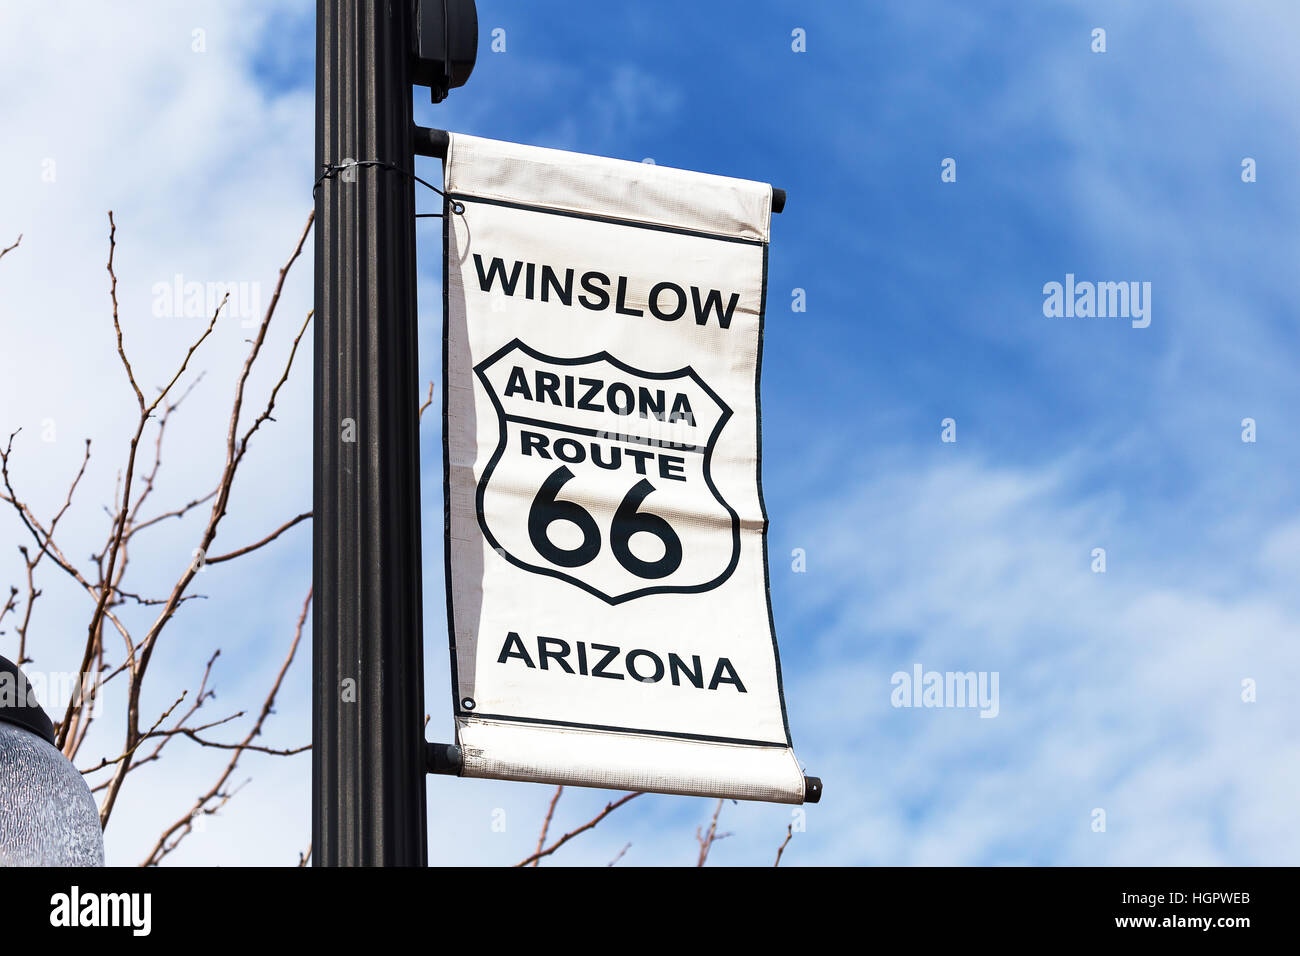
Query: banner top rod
point(433, 143)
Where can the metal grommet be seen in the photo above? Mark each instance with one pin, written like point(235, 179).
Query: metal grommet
point(467, 703)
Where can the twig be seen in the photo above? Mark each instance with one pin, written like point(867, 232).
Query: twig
point(120, 524)
point(707, 840)
point(12, 602)
point(789, 835)
point(180, 512)
point(174, 834)
point(41, 536)
point(626, 847)
point(546, 824)
point(265, 541)
point(242, 746)
point(203, 695)
point(235, 451)
point(122, 756)
point(104, 581)
point(32, 591)
point(293, 351)
point(609, 808)
point(117, 325)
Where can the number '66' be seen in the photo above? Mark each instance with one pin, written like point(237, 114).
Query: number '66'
point(628, 521)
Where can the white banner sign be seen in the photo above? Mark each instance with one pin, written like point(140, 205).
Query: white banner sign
point(606, 537)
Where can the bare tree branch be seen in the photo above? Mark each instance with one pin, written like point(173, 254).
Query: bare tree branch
point(104, 580)
point(235, 451)
point(105, 762)
point(550, 811)
point(65, 726)
point(12, 601)
point(32, 562)
point(626, 847)
point(42, 537)
point(267, 540)
point(706, 840)
point(203, 695)
point(609, 808)
point(789, 835)
point(216, 797)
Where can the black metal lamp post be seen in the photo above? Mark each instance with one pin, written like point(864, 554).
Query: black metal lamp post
point(369, 755)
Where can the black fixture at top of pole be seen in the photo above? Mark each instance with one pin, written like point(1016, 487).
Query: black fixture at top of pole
point(446, 45)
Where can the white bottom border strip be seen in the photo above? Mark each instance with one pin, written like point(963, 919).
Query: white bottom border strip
point(611, 760)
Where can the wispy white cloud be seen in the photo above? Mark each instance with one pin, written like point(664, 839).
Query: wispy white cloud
point(1116, 691)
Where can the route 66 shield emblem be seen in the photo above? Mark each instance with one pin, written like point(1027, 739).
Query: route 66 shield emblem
point(601, 474)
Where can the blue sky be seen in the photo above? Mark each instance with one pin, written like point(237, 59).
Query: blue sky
point(1120, 691)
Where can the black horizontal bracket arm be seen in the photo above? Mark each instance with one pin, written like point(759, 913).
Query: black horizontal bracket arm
point(442, 758)
point(430, 142)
